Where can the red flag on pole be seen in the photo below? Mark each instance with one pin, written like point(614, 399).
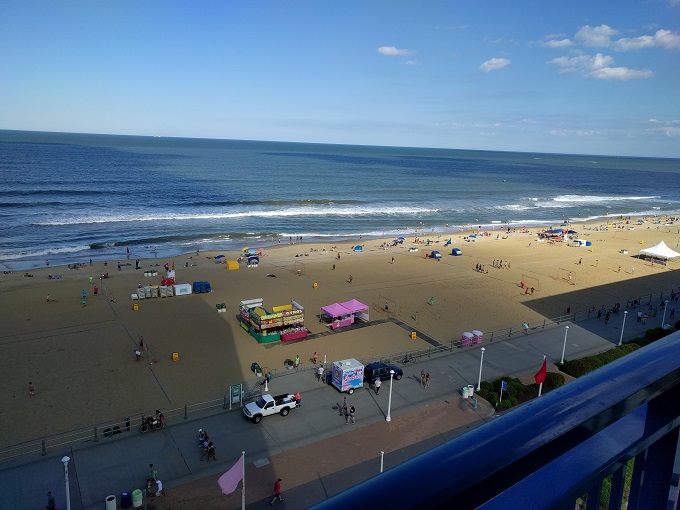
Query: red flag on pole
point(540, 375)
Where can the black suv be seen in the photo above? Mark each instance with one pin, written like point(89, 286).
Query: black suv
point(380, 370)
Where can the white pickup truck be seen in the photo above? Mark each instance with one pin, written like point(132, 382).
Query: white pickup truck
point(266, 405)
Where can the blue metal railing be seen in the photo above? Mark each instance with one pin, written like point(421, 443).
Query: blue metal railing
point(554, 449)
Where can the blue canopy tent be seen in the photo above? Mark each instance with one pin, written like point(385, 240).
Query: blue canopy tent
point(456, 252)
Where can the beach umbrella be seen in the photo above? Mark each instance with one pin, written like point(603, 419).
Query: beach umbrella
point(245, 249)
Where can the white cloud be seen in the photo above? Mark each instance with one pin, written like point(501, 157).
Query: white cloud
point(394, 52)
point(583, 62)
point(572, 132)
point(662, 38)
point(494, 64)
point(595, 36)
point(562, 43)
point(599, 67)
point(669, 131)
point(619, 73)
point(412, 62)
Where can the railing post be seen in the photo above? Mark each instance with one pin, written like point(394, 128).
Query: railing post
point(96, 439)
point(543, 324)
point(44, 450)
point(510, 332)
point(185, 412)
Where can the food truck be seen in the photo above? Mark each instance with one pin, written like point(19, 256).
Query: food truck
point(347, 375)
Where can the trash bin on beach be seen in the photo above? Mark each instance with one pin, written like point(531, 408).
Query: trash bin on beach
point(465, 391)
point(125, 500)
point(111, 503)
point(137, 498)
point(471, 389)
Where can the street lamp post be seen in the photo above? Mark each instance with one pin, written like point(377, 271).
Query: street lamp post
point(65, 460)
point(389, 400)
point(564, 346)
point(663, 321)
point(481, 360)
point(623, 325)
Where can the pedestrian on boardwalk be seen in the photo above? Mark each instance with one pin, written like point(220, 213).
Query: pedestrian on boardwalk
point(141, 343)
point(205, 450)
point(343, 408)
point(152, 472)
point(351, 412)
point(525, 327)
point(277, 492)
point(138, 354)
point(51, 503)
point(31, 389)
point(319, 373)
point(377, 385)
point(422, 377)
point(345, 412)
point(298, 399)
point(427, 379)
point(159, 490)
point(211, 452)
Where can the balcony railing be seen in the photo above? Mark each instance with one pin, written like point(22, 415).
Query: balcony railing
point(554, 449)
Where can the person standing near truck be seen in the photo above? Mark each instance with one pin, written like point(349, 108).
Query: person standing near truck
point(277, 491)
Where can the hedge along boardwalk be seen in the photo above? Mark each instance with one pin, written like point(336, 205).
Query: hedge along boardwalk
point(68, 351)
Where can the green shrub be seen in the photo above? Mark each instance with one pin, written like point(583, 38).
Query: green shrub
point(553, 380)
point(656, 333)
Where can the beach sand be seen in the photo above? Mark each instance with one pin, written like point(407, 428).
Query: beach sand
point(81, 359)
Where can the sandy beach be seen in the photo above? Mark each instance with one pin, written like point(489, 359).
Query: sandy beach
point(81, 359)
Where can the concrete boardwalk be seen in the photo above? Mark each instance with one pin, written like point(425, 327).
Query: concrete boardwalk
point(312, 449)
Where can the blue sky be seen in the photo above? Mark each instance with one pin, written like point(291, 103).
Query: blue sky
point(562, 76)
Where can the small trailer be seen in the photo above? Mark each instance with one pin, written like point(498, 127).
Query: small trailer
point(347, 375)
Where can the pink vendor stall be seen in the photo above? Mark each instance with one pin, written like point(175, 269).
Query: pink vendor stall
point(467, 339)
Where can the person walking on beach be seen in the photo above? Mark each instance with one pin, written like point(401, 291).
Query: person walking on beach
point(48, 299)
point(297, 361)
point(525, 327)
point(392, 260)
point(350, 279)
point(377, 385)
point(277, 491)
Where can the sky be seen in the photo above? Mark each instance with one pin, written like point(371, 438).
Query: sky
point(573, 77)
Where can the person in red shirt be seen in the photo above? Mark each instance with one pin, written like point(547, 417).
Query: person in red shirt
point(277, 492)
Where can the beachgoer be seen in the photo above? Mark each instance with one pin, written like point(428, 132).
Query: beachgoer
point(422, 377)
point(211, 451)
point(138, 354)
point(319, 373)
point(51, 503)
point(48, 299)
point(525, 326)
point(427, 379)
point(298, 399)
point(277, 492)
point(297, 361)
point(31, 389)
point(315, 357)
point(352, 410)
point(152, 472)
point(350, 279)
point(377, 385)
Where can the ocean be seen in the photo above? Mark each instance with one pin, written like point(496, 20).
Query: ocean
point(73, 197)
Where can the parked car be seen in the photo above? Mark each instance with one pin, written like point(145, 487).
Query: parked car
point(380, 370)
point(266, 405)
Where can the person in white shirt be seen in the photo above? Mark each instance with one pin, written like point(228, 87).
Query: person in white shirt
point(160, 491)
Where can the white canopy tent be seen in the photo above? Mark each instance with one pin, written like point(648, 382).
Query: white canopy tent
point(660, 251)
